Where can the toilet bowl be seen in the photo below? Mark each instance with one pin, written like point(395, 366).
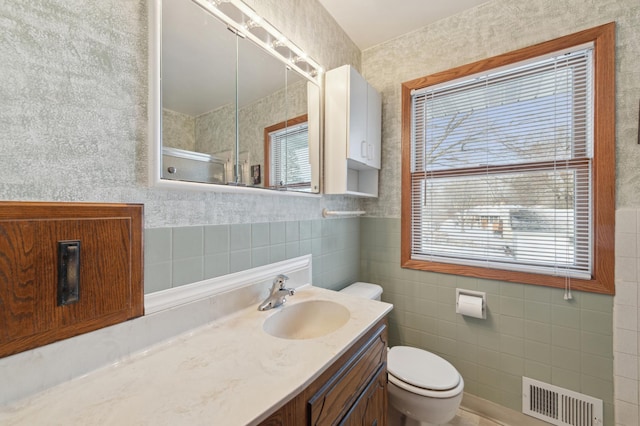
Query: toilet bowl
point(423, 387)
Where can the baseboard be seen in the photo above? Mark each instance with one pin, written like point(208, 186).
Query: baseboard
point(498, 413)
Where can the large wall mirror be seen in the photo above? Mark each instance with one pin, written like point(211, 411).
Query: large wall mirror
point(235, 105)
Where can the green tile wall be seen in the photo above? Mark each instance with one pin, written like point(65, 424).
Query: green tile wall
point(530, 330)
point(177, 256)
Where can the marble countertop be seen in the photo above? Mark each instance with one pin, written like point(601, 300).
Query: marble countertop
point(229, 372)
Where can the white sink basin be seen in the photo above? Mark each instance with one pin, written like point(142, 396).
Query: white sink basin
point(307, 320)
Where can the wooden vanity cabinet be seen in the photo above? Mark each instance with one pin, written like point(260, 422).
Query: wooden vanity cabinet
point(352, 391)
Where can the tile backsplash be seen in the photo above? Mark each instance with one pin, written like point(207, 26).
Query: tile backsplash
point(176, 256)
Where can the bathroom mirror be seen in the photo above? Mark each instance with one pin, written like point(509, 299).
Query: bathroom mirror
point(236, 105)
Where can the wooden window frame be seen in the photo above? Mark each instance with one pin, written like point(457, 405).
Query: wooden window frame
point(267, 146)
point(603, 188)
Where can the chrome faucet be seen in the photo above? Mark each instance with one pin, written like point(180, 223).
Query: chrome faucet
point(278, 294)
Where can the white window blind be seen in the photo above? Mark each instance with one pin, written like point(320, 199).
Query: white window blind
point(501, 168)
point(289, 157)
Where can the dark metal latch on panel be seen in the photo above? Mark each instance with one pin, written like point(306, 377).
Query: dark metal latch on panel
point(68, 272)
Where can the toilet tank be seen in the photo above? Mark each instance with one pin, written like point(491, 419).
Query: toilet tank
point(365, 290)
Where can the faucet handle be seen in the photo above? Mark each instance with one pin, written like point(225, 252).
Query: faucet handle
point(280, 281)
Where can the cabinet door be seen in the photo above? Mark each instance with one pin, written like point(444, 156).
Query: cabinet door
point(357, 141)
point(291, 414)
point(371, 407)
point(374, 127)
point(339, 394)
point(104, 267)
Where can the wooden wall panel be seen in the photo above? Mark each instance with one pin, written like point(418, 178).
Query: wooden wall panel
point(19, 290)
point(111, 270)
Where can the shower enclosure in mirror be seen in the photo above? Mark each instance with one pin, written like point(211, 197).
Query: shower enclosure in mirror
point(234, 104)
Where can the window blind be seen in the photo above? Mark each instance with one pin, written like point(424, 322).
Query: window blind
point(289, 157)
point(501, 167)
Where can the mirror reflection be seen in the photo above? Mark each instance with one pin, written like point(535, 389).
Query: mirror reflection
point(232, 113)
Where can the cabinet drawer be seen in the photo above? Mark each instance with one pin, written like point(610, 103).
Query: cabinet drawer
point(338, 395)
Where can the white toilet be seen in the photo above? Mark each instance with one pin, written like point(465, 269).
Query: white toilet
point(423, 387)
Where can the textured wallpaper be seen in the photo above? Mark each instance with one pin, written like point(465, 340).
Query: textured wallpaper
point(74, 91)
point(178, 130)
point(73, 84)
point(215, 131)
point(490, 29)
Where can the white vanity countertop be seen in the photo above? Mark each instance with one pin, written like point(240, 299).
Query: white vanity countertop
point(229, 372)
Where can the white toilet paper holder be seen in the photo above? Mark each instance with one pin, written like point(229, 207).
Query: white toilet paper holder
point(476, 309)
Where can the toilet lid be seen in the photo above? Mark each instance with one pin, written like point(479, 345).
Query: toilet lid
point(421, 368)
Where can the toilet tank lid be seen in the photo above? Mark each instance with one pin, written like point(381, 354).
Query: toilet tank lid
point(366, 290)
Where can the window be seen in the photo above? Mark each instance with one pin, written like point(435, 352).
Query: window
point(286, 154)
point(509, 166)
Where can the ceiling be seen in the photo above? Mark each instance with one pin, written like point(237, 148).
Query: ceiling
point(371, 22)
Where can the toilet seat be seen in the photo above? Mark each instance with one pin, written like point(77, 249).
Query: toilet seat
point(423, 373)
point(426, 392)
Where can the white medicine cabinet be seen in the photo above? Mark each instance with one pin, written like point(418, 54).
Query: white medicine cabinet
point(353, 120)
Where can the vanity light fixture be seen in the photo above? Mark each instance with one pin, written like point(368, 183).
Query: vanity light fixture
point(279, 43)
point(251, 24)
point(274, 41)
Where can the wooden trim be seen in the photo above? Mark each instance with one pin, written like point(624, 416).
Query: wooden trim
point(405, 218)
point(604, 168)
point(267, 130)
point(603, 194)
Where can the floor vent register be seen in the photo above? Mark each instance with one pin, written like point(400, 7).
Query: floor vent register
point(559, 406)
